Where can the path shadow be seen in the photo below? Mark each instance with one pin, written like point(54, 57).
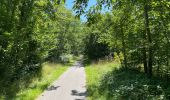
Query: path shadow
point(52, 88)
point(77, 93)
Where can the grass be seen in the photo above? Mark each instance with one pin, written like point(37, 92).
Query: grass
point(105, 81)
point(94, 72)
point(30, 89)
point(50, 72)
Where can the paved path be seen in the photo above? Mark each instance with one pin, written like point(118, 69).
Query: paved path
point(70, 85)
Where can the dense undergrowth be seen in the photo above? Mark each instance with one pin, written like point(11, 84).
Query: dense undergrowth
point(108, 82)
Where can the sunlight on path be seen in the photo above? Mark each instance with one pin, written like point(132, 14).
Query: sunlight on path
point(70, 86)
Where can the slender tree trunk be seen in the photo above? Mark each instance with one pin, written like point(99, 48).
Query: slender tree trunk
point(150, 51)
point(158, 67)
point(124, 48)
point(145, 60)
point(145, 54)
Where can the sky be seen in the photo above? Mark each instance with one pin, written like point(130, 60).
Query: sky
point(70, 3)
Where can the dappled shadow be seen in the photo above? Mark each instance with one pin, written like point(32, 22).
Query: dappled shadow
point(52, 88)
point(86, 61)
point(77, 93)
point(122, 84)
point(12, 84)
point(80, 95)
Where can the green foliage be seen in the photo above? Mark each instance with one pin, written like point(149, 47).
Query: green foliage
point(30, 31)
point(131, 84)
point(106, 81)
point(50, 72)
point(93, 49)
point(94, 72)
point(137, 29)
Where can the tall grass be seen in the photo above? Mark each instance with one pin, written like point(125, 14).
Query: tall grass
point(50, 72)
point(105, 81)
point(94, 73)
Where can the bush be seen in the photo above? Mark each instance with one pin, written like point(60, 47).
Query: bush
point(133, 85)
point(66, 58)
point(95, 50)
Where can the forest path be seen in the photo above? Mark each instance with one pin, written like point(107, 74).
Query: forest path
point(70, 86)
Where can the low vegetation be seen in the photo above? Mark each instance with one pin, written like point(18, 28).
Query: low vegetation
point(137, 32)
point(108, 82)
point(94, 73)
point(31, 33)
point(50, 72)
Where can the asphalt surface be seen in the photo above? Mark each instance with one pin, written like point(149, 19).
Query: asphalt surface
point(70, 86)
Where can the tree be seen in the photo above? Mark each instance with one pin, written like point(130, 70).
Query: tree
point(141, 28)
point(29, 30)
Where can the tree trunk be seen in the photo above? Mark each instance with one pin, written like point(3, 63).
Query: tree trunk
point(150, 51)
point(124, 48)
point(145, 54)
point(145, 60)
